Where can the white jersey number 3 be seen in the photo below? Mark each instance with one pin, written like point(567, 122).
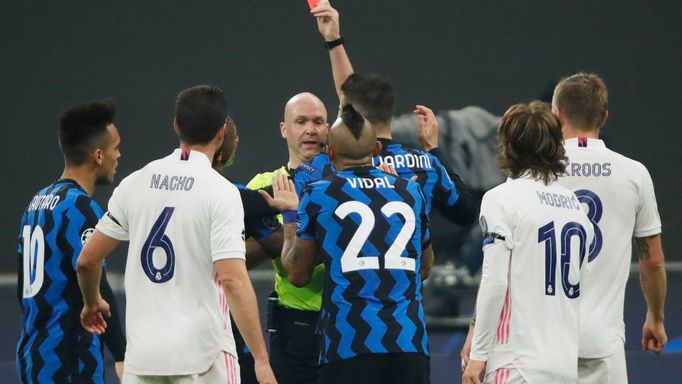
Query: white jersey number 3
point(392, 259)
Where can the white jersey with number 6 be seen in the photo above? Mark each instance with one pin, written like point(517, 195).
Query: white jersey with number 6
point(527, 310)
point(619, 196)
point(180, 216)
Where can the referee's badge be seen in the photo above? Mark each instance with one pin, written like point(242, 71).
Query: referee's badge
point(86, 235)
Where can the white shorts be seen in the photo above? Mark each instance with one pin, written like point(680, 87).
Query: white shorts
point(604, 370)
point(225, 369)
point(504, 376)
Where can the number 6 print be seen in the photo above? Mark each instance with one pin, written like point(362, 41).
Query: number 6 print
point(158, 239)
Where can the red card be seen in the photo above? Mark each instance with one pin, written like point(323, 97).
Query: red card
point(313, 3)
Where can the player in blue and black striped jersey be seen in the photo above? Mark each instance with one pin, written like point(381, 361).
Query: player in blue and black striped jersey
point(370, 229)
point(53, 347)
point(374, 98)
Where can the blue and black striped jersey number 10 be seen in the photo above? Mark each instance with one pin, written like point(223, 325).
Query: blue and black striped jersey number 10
point(34, 260)
point(392, 259)
point(158, 239)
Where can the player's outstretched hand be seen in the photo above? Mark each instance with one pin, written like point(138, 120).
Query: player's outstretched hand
point(474, 372)
point(285, 197)
point(327, 20)
point(264, 373)
point(427, 127)
point(654, 337)
point(92, 317)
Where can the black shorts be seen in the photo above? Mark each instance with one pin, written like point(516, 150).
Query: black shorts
point(294, 347)
point(379, 368)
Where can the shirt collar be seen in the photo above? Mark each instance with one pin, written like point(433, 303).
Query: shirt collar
point(190, 156)
point(584, 142)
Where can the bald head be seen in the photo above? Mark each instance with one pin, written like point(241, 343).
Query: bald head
point(350, 138)
point(304, 102)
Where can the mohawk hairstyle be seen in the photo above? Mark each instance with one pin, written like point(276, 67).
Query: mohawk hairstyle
point(353, 120)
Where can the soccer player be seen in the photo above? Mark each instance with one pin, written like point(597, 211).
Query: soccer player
point(619, 194)
point(294, 346)
point(262, 231)
point(370, 230)
point(185, 264)
point(59, 219)
point(374, 98)
point(535, 249)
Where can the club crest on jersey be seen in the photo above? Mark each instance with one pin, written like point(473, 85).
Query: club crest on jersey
point(86, 235)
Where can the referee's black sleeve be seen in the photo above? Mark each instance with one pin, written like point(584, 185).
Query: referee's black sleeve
point(465, 210)
point(114, 337)
point(255, 205)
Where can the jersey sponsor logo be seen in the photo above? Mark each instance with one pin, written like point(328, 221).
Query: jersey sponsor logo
point(376, 182)
point(172, 183)
point(307, 167)
point(407, 160)
point(558, 200)
point(86, 235)
point(588, 169)
point(43, 202)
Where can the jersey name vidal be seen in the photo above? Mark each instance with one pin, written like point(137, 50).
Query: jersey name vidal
point(619, 196)
point(547, 234)
point(53, 347)
point(177, 319)
point(432, 176)
point(370, 227)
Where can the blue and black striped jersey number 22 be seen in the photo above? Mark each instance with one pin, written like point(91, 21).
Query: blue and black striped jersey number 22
point(34, 260)
point(547, 235)
point(158, 239)
point(392, 259)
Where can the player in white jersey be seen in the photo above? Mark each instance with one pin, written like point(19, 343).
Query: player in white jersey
point(536, 238)
point(185, 260)
point(619, 194)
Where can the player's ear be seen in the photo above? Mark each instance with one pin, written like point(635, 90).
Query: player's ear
point(283, 129)
point(98, 156)
point(377, 148)
point(605, 116)
point(176, 129)
point(330, 153)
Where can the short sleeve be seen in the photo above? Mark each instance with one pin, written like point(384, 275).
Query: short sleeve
point(261, 227)
point(82, 219)
point(495, 222)
point(114, 223)
point(227, 226)
point(647, 219)
point(307, 215)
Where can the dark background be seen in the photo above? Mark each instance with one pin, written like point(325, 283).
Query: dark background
point(445, 54)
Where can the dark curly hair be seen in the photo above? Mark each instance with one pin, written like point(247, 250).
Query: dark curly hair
point(531, 140)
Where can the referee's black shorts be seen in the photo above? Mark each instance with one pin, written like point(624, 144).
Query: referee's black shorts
point(379, 368)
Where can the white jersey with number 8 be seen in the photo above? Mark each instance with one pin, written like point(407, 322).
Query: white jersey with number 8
point(619, 196)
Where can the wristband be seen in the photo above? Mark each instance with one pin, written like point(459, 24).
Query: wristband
point(289, 216)
point(334, 43)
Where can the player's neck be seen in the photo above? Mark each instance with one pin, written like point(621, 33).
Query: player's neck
point(383, 130)
point(570, 132)
point(208, 150)
point(340, 165)
point(82, 175)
